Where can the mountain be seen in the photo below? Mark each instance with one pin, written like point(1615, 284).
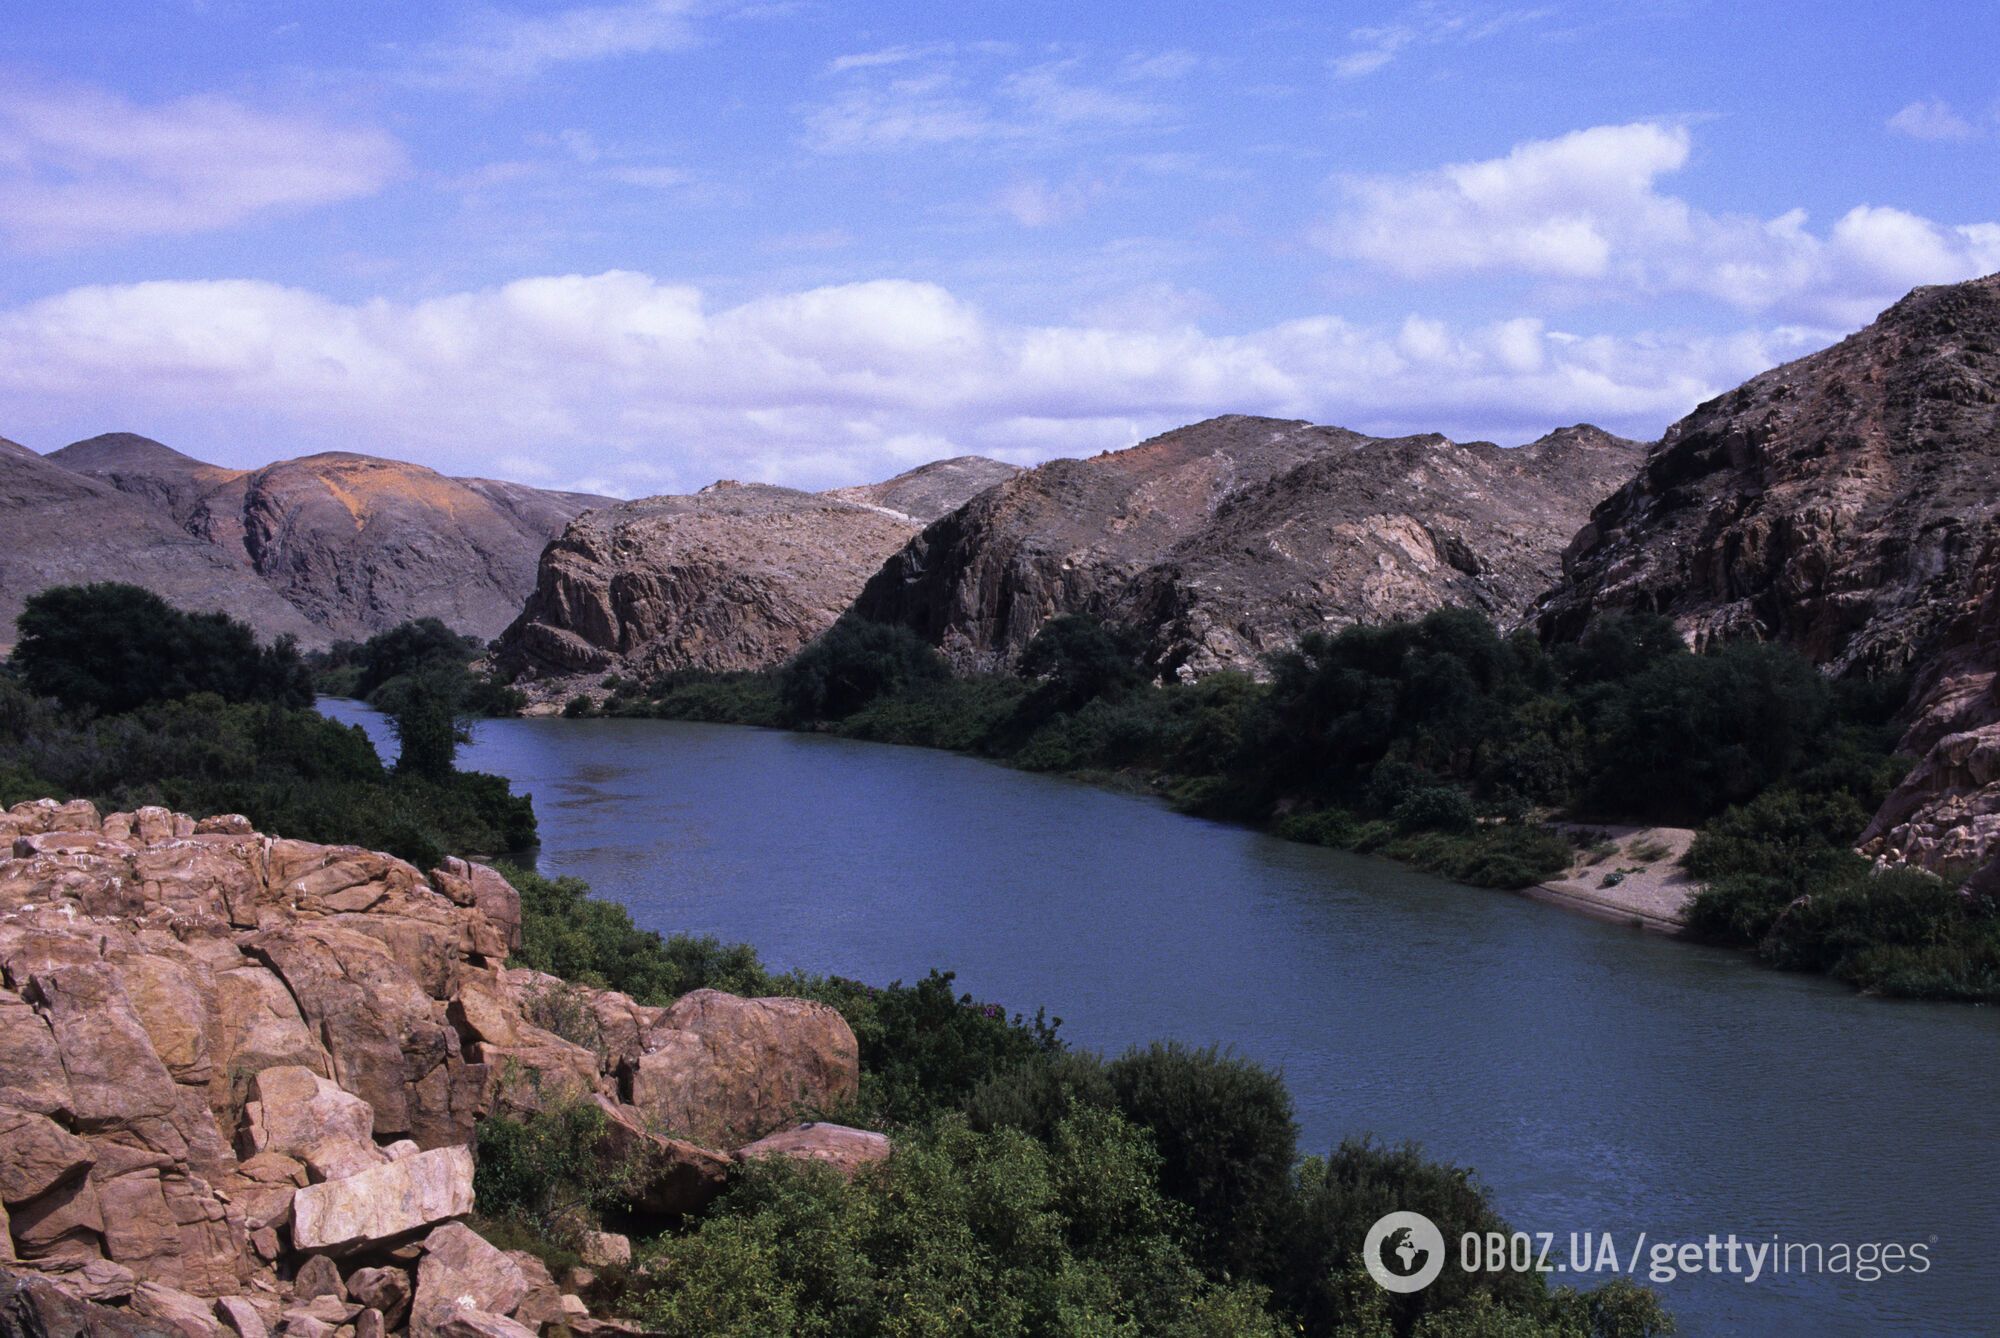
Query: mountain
point(355, 543)
point(1847, 504)
point(737, 576)
point(928, 491)
point(1224, 540)
point(64, 528)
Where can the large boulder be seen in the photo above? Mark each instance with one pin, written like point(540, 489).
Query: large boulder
point(722, 1070)
point(846, 1150)
point(461, 1271)
point(384, 1204)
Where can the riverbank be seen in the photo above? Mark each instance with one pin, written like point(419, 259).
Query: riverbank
point(1630, 874)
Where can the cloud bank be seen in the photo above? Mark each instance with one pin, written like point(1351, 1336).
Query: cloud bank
point(621, 382)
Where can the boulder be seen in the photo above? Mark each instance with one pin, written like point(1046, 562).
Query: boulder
point(34, 1307)
point(462, 1323)
point(240, 1317)
point(676, 1177)
point(846, 1150)
point(115, 1079)
point(385, 1203)
point(297, 1110)
point(175, 1310)
point(318, 1276)
point(605, 1249)
point(461, 1271)
point(40, 1154)
point(385, 1290)
point(722, 1070)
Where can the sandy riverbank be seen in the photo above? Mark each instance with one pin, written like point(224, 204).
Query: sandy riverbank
point(1633, 875)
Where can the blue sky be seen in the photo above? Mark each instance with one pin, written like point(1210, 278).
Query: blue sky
point(638, 246)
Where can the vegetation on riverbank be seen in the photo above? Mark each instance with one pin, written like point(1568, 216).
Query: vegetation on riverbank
point(112, 695)
point(1443, 744)
point(1035, 1189)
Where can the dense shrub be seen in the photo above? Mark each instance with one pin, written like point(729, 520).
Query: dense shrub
point(852, 664)
point(108, 649)
point(569, 933)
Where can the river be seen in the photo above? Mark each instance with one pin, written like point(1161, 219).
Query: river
point(1600, 1079)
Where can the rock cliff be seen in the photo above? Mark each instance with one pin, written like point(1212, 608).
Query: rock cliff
point(737, 576)
point(63, 528)
point(1844, 504)
point(239, 1078)
point(357, 544)
point(1227, 539)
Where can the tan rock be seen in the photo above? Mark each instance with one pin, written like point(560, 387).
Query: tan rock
point(846, 1150)
point(66, 1222)
point(185, 1315)
point(605, 1249)
point(461, 1271)
point(318, 1276)
point(463, 1323)
point(31, 1071)
point(386, 1290)
point(115, 1079)
point(92, 1278)
point(542, 1303)
point(257, 1026)
point(369, 1324)
point(170, 1003)
point(722, 1070)
point(40, 1154)
point(240, 1317)
point(678, 1177)
point(384, 1203)
point(297, 1110)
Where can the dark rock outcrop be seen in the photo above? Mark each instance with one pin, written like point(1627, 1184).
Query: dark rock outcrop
point(357, 544)
point(1845, 504)
point(1224, 540)
point(737, 576)
point(63, 528)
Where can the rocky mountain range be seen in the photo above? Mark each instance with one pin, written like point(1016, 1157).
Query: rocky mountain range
point(354, 543)
point(1227, 539)
point(239, 1078)
point(1847, 504)
point(737, 576)
point(62, 527)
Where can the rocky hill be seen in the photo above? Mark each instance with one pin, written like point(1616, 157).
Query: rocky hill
point(357, 544)
point(239, 1078)
point(1224, 540)
point(929, 491)
point(1845, 504)
point(62, 528)
point(737, 576)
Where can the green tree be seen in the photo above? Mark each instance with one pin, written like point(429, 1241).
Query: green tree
point(110, 648)
point(851, 664)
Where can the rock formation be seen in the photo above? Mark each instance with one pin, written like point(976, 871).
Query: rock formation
point(63, 528)
point(929, 491)
point(240, 1075)
point(737, 576)
point(357, 544)
point(1843, 504)
point(1224, 540)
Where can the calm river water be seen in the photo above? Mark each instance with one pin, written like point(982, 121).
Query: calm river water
point(1599, 1079)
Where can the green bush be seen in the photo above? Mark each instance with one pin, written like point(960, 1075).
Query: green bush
point(547, 1171)
point(1226, 1137)
point(569, 933)
point(108, 649)
point(960, 1232)
point(853, 663)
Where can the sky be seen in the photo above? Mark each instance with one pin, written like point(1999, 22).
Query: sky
point(635, 246)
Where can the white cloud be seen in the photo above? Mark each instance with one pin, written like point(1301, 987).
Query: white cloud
point(1932, 118)
point(502, 46)
point(923, 97)
point(80, 167)
point(1034, 203)
point(622, 382)
point(1424, 25)
point(1584, 211)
